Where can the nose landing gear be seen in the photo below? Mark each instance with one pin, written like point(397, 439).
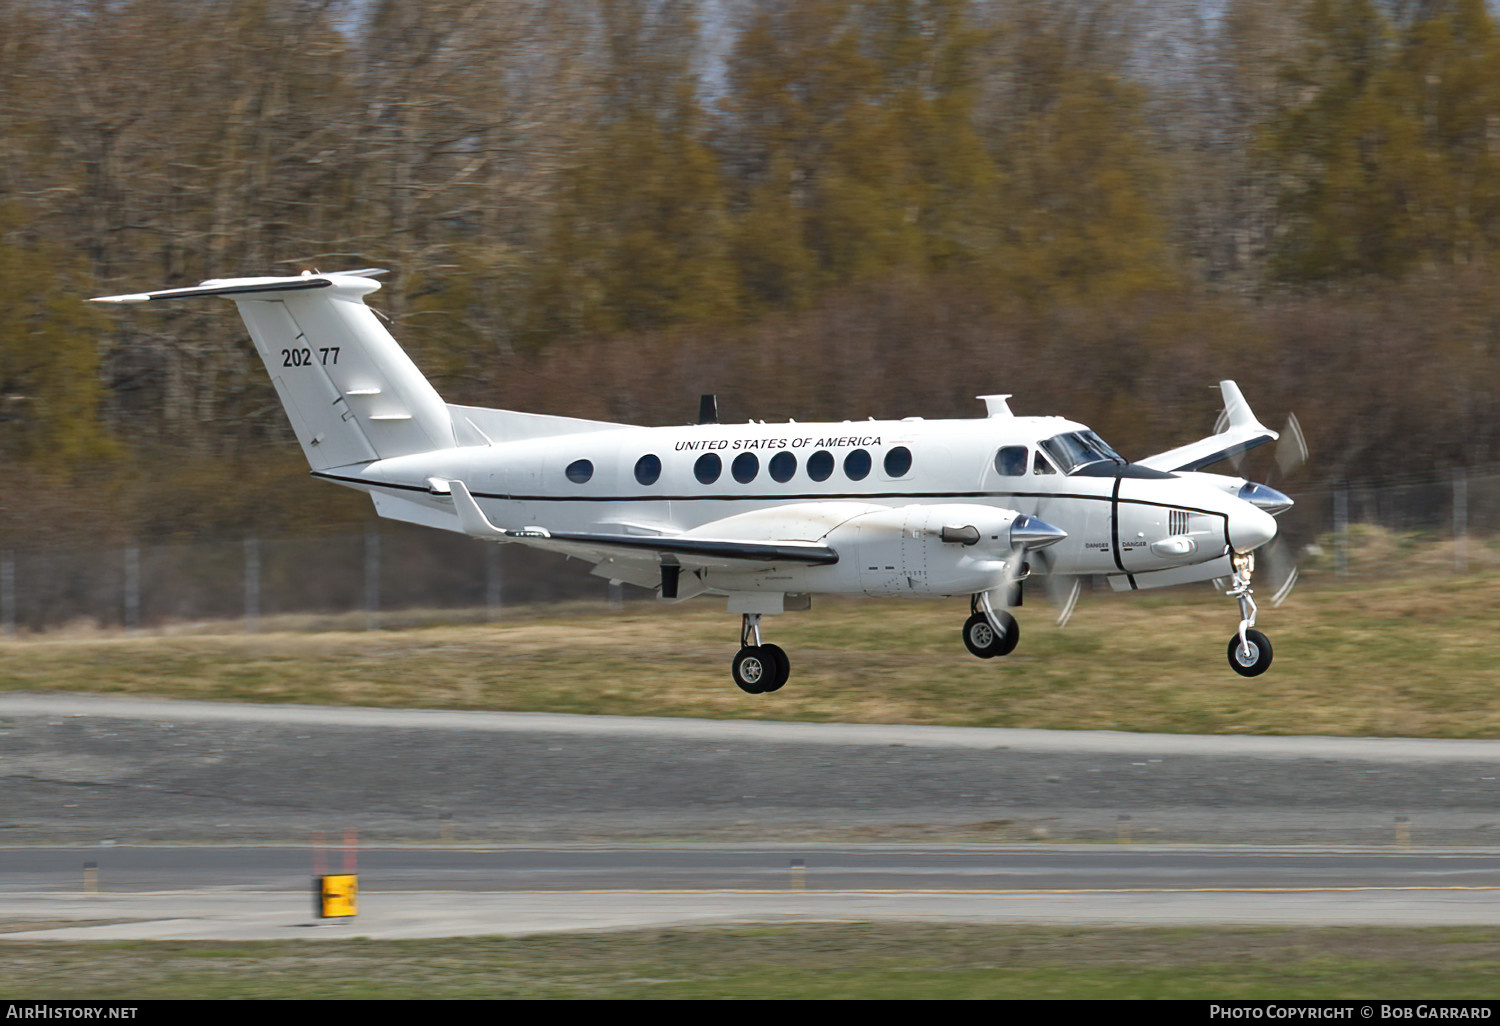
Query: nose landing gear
point(758, 669)
point(1249, 649)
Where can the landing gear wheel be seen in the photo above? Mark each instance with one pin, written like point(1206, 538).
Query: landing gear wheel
point(1254, 662)
point(754, 669)
point(981, 640)
point(783, 666)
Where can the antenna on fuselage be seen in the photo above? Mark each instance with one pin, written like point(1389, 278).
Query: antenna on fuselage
point(996, 405)
point(708, 409)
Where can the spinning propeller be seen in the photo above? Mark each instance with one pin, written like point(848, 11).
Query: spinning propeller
point(1279, 557)
point(1278, 560)
point(1062, 589)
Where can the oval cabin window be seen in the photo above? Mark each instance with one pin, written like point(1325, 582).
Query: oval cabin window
point(898, 461)
point(648, 469)
point(708, 468)
point(745, 467)
point(857, 465)
point(820, 465)
point(782, 466)
point(579, 471)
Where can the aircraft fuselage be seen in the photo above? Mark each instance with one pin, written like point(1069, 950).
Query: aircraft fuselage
point(1121, 521)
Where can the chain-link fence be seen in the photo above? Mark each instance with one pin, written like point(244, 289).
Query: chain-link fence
point(388, 575)
point(1435, 524)
point(395, 574)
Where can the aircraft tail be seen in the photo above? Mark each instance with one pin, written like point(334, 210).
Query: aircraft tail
point(350, 391)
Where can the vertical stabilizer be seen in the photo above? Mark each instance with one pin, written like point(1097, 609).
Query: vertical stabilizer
point(350, 391)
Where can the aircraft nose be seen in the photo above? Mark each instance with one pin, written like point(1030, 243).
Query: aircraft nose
point(1250, 527)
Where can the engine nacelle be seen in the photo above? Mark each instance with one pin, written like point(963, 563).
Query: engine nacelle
point(946, 549)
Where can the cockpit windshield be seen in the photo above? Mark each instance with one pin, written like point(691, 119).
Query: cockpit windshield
point(1077, 449)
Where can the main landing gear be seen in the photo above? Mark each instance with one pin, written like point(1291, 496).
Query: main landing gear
point(989, 632)
point(1249, 649)
point(758, 669)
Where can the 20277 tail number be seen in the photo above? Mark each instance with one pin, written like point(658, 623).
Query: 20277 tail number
point(304, 357)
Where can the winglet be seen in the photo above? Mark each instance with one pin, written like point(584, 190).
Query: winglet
point(470, 517)
point(1241, 431)
point(1238, 410)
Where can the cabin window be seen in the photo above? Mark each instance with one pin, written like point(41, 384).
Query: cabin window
point(708, 468)
point(579, 471)
point(745, 467)
point(1039, 464)
point(898, 461)
point(820, 465)
point(857, 465)
point(648, 469)
point(782, 466)
point(1011, 461)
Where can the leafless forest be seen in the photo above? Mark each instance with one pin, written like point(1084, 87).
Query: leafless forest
point(815, 208)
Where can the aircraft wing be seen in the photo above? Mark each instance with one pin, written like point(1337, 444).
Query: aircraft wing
point(1243, 431)
point(692, 550)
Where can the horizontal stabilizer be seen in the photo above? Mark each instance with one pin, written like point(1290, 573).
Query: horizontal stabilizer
point(242, 287)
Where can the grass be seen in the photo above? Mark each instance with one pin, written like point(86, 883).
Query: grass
point(827, 961)
point(1362, 656)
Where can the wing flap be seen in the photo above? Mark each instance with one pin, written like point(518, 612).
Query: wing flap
point(682, 550)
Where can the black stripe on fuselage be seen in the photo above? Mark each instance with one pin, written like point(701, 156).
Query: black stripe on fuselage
point(1113, 499)
point(1114, 531)
point(774, 497)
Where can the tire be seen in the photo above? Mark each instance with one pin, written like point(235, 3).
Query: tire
point(1012, 638)
point(783, 668)
point(981, 640)
point(753, 669)
point(1260, 648)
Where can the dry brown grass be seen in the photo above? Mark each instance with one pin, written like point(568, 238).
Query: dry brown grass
point(1407, 655)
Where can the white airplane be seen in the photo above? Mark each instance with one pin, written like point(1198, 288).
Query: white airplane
point(765, 515)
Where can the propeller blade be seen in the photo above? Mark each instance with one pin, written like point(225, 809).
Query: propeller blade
point(1071, 600)
point(1062, 589)
point(1280, 558)
point(1281, 569)
point(1013, 567)
point(1291, 450)
point(1286, 589)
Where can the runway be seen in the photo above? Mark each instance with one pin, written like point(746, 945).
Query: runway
point(122, 869)
point(208, 820)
